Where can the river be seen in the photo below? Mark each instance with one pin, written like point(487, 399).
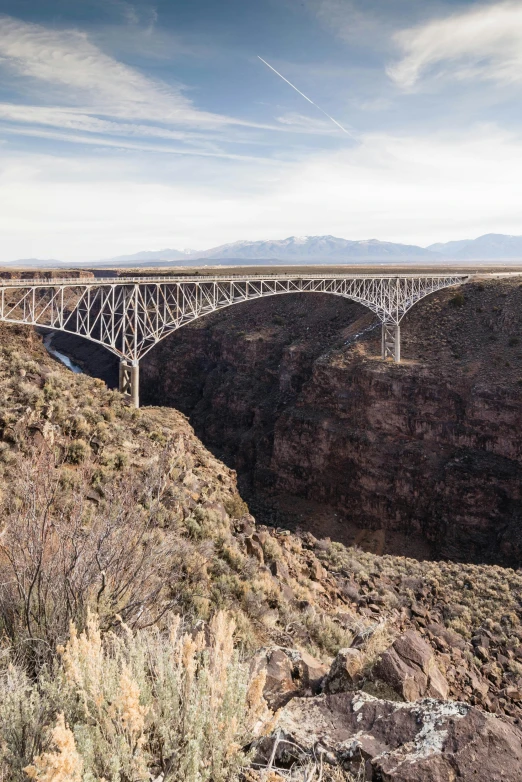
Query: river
point(65, 360)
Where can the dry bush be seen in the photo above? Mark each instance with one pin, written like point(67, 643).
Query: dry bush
point(376, 639)
point(24, 716)
point(129, 706)
point(61, 552)
point(306, 766)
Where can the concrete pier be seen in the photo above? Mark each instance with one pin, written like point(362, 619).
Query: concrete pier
point(129, 382)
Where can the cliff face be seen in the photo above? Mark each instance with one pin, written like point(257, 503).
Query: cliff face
point(431, 447)
point(141, 483)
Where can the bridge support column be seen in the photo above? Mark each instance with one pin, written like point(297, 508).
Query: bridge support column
point(391, 341)
point(130, 381)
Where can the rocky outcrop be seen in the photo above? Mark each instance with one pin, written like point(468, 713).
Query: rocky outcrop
point(345, 673)
point(409, 668)
point(289, 673)
point(426, 741)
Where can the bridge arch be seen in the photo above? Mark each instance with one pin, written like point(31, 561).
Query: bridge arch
point(129, 316)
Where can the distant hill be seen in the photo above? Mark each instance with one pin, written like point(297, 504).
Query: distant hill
point(328, 249)
point(316, 249)
point(490, 247)
point(313, 249)
point(36, 262)
point(155, 255)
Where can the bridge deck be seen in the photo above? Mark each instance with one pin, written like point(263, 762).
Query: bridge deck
point(100, 281)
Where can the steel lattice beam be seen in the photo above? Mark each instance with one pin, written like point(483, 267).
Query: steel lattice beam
point(129, 316)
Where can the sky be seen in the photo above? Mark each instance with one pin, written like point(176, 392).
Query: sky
point(129, 126)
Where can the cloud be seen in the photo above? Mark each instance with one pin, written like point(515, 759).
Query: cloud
point(346, 18)
point(70, 119)
point(125, 144)
point(92, 92)
point(484, 42)
point(132, 14)
point(128, 10)
point(68, 60)
point(305, 124)
point(398, 187)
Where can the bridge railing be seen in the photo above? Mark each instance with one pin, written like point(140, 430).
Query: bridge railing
point(100, 281)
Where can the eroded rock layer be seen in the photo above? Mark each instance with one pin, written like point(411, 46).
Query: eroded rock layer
point(286, 392)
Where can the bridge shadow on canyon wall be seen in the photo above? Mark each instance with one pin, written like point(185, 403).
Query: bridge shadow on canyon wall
point(422, 458)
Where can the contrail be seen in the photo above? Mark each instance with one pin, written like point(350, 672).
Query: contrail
point(304, 96)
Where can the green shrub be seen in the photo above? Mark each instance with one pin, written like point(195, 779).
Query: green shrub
point(236, 507)
point(457, 300)
point(121, 461)
point(78, 452)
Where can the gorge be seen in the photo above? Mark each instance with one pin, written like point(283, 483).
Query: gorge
point(395, 658)
point(420, 458)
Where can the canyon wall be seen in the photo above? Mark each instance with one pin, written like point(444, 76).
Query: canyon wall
point(281, 389)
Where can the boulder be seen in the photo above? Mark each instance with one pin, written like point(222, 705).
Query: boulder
point(317, 571)
point(246, 524)
point(279, 570)
point(427, 741)
point(289, 672)
point(409, 668)
point(255, 549)
point(345, 672)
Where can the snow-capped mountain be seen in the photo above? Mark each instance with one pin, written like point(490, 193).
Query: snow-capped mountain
point(315, 248)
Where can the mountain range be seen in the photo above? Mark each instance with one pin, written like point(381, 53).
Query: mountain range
point(318, 249)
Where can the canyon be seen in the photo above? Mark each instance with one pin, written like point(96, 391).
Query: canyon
point(377, 661)
point(421, 458)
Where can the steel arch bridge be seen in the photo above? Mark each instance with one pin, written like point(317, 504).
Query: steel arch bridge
point(129, 316)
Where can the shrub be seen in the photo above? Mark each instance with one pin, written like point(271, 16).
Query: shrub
point(78, 452)
point(134, 706)
point(121, 460)
point(236, 507)
point(102, 432)
point(60, 553)
point(30, 394)
point(457, 300)
point(64, 764)
point(24, 714)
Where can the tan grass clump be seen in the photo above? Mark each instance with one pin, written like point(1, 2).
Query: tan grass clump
point(62, 765)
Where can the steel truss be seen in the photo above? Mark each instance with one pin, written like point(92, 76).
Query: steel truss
point(129, 316)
